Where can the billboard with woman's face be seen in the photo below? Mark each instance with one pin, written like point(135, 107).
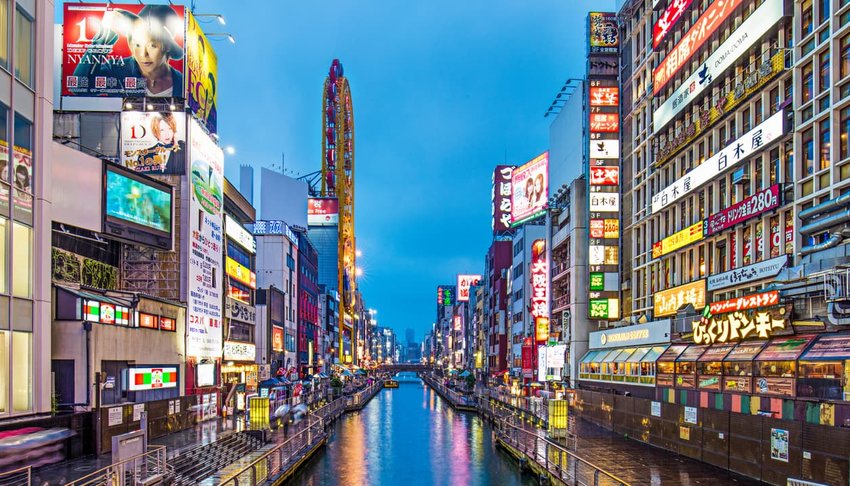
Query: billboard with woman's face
point(530, 189)
point(153, 142)
point(123, 50)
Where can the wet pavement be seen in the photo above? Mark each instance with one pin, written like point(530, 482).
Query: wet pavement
point(199, 435)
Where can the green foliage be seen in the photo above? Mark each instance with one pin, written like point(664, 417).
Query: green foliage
point(99, 275)
point(336, 382)
point(66, 267)
point(70, 268)
point(470, 381)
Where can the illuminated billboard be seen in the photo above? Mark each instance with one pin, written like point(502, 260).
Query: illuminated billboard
point(445, 295)
point(530, 191)
point(604, 123)
point(99, 57)
point(540, 289)
point(605, 149)
point(759, 203)
point(206, 201)
point(201, 75)
point(464, 283)
point(699, 33)
point(678, 240)
point(674, 11)
point(604, 33)
point(501, 201)
point(140, 379)
point(153, 142)
point(723, 58)
point(668, 302)
point(605, 96)
point(322, 211)
point(136, 208)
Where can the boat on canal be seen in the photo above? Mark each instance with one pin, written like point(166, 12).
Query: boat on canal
point(390, 384)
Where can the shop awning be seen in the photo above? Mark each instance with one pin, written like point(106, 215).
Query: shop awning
point(746, 351)
point(716, 352)
point(590, 356)
point(673, 352)
point(653, 354)
point(637, 355)
point(692, 353)
point(829, 347)
point(610, 357)
point(785, 348)
point(85, 294)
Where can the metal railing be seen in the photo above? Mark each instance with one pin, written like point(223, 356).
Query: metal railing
point(278, 460)
point(142, 469)
point(17, 477)
point(453, 396)
point(282, 457)
point(554, 458)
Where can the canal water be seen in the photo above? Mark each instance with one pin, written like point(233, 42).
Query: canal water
point(410, 436)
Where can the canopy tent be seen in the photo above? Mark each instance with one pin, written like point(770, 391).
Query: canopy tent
point(346, 373)
point(272, 382)
point(464, 374)
point(360, 372)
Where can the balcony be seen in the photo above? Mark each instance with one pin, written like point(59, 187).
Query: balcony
point(560, 270)
point(560, 236)
point(560, 303)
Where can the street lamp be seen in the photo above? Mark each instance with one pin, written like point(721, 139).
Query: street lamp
point(219, 17)
point(226, 35)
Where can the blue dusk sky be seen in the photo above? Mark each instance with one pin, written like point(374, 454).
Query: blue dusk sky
point(443, 91)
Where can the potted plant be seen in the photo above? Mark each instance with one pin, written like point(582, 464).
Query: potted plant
point(336, 384)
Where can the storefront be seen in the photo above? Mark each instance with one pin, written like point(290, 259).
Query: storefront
point(666, 365)
point(738, 367)
point(776, 366)
point(710, 366)
point(625, 356)
point(686, 366)
point(824, 369)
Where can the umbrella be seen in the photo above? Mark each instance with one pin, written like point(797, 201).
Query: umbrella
point(360, 372)
point(452, 372)
point(346, 373)
point(464, 374)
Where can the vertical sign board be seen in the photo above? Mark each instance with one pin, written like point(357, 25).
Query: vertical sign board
point(502, 206)
point(602, 151)
point(540, 290)
point(206, 200)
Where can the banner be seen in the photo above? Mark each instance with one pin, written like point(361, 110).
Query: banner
point(751, 273)
point(153, 142)
point(540, 289)
point(206, 200)
point(501, 201)
point(202, 75)
point(322, 211)
point(755, 205)
point(745, 146)
point(674, 11)
point(724, 57)
point(668, 302)
point(696, 36)
point(123, 50)
point(530, 189)
point(464, 283)
point(678, 240)
point(605, 176)
point(754, 301)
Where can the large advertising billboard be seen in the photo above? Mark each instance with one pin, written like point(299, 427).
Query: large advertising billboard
point(501, 201)
point(747, 145)
point(678, 240)
point(201, 75)
point(530, 191)
point(696, 36)
point(464, 284)
point(540, 290)
point(322, 211)
point(674, 11)
point(153, 142)
point(604, 33)
point(123, 50)
point(759, 203)
point(723, 58)
point(206, 200)
point(668, 302)
point(136, 209)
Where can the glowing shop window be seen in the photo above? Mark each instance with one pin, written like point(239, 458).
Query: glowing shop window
point(22, 256)
point(22, 364)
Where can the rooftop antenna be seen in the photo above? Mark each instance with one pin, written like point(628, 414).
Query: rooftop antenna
point(283, 162)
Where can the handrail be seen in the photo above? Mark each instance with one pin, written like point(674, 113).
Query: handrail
point(143, 466)
point(519, 438)
point(17, 477)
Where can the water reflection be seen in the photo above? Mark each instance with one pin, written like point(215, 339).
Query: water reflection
point(410, 436)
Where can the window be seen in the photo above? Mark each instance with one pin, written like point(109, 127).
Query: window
point(824, 144)
point(809, 151)
point(99, 134)
point(844, 128)
point(823, 82)
point(22, 256)
point(808, 80)
point(845, 56)
point(823, 11)
point(4, 34)
point(22, 364)
point(807, 18)
point(23, 47)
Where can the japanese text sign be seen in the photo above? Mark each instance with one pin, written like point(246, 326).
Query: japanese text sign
point(678, 240)
point(668, 302)
point(738, 325)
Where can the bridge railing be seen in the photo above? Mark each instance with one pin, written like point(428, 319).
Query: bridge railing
point(554, 458)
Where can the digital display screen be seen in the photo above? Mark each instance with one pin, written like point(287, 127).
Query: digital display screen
point(136, 202)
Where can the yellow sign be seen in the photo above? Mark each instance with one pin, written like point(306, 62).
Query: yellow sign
point(667, 302)
point(201, 74)
point(738, 325)
point(241, 273)
point(681, 239)
point(542, 328)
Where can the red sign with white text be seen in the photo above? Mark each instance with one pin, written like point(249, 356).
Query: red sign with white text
point(604, 96)
point(322, 211)
point(755, 205)
point(540, 289)
point(698, 34)
point(604, 176)
point(604, 122)
point(668, 19)
point(754, 301)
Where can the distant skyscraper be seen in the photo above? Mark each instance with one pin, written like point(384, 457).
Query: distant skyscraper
point(410, 334)
point(246, 182)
